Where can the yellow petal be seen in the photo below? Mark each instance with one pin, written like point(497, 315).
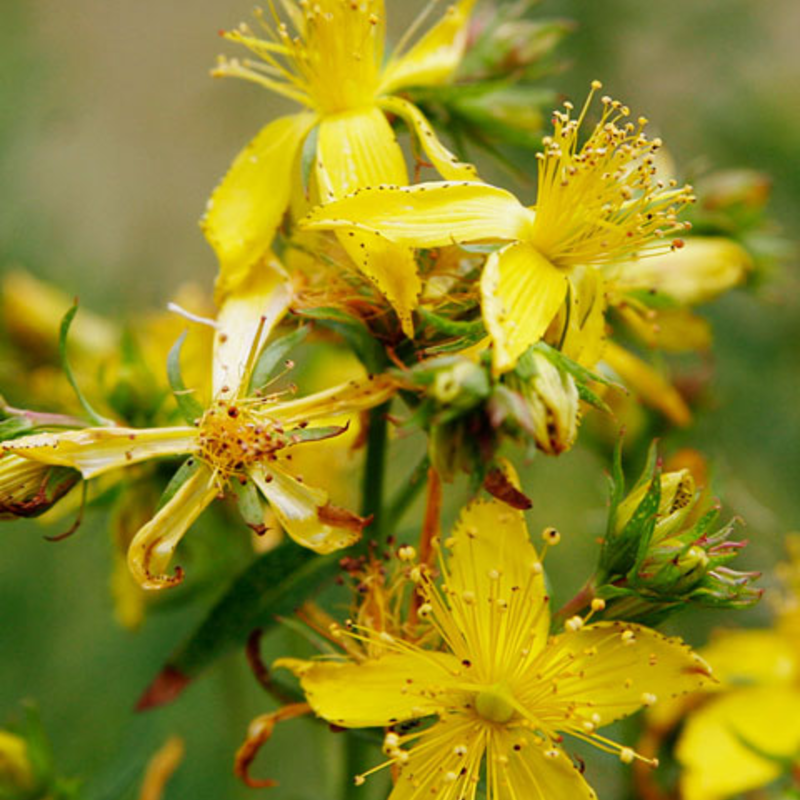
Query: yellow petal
point(612, 669)
point(248, 205)
point(378, 692)
point(347, 398)
point(585, 338)
point(648, 384)
point(152, 548)
point(755, 656)
point(491, 555)
point(428, 214)
point(263, 294)
point(702, 269)
point(445, 762)
point(519, 768)
point(521, 292)
point(358, 149)
point(717, 764)
point(93, 451)
point(436, 56)
point(304, 513)
point(674, 330)
point(443, 161)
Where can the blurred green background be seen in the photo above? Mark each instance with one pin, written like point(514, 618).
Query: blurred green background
point(112, 134)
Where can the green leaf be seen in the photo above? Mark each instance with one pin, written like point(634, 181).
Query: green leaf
point(566, 364)
point(301, 435)
point(184, 472)
point(190, 408)
point(273, 354)
point(12, 427)
point(452, 327)
point(272, 586)
point(66, 324)
point(355, 333)
point(588, 396)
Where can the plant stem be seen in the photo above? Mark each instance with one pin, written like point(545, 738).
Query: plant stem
point(578, 603)
point(405, 496)
point(372, 483)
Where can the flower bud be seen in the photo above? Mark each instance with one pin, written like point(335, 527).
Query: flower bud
point(29, 488)
point(16, 771)
point(461, 384)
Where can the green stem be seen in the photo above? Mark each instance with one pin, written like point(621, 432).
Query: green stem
point(405, 495)
point(372, 483)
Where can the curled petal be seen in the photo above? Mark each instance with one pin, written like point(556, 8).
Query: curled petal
point(93, 451)
point(305, 513)
point(521, 292)
point(152, 548)
point(161, 768)
point(436, 56)
point(29, 488)
point(648, 384)
point(259, 733)
point(347, 398)
point(248, 205)
point(428, 214)
point(443, 161)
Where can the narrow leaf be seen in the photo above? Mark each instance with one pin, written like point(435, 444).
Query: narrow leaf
point(566, 364)
point(190, 408)
point(273, 354)
point(272, 586)
point(66, 324)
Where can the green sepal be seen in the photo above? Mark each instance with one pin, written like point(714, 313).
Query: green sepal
point(273, 354)
point(355, 333)
point(308, 157)
point(188, 405)
point(183, 473)
point(274, 585)
point(63, 335)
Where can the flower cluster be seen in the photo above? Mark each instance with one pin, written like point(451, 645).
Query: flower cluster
point(358, 295)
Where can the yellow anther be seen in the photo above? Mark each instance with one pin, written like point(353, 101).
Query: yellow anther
point(598, 604)
point(574, 624)
point(627, 755)
point(359, 780)
point(407, 553)
point(648, 699)
point(551, 536)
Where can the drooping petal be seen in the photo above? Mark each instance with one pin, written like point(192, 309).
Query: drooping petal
point(443, 161)
point(521, 292)
point(523, 765)
point(444, 762)
point(428, 214)
point(357, 149)
point(305, 513)
point(265, 295)
point(609, 670)
point(29, 488)
point(648, 384)
point(347, 398)
point(151, 550)
point(248, 205)
point(495, 589)
point(381, 691)
point(435, 57)
point(93, 451)
point(702, 269)
point(713, 747)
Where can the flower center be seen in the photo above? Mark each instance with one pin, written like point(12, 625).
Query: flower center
point(496, 703)
point(232, 438)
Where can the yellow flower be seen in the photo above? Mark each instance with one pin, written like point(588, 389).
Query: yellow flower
point(748, 732)
point(597, 203)
point(502, 690)
point(332, 64)
point(238, 437)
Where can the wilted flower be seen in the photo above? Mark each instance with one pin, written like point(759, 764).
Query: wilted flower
point(243, 435)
